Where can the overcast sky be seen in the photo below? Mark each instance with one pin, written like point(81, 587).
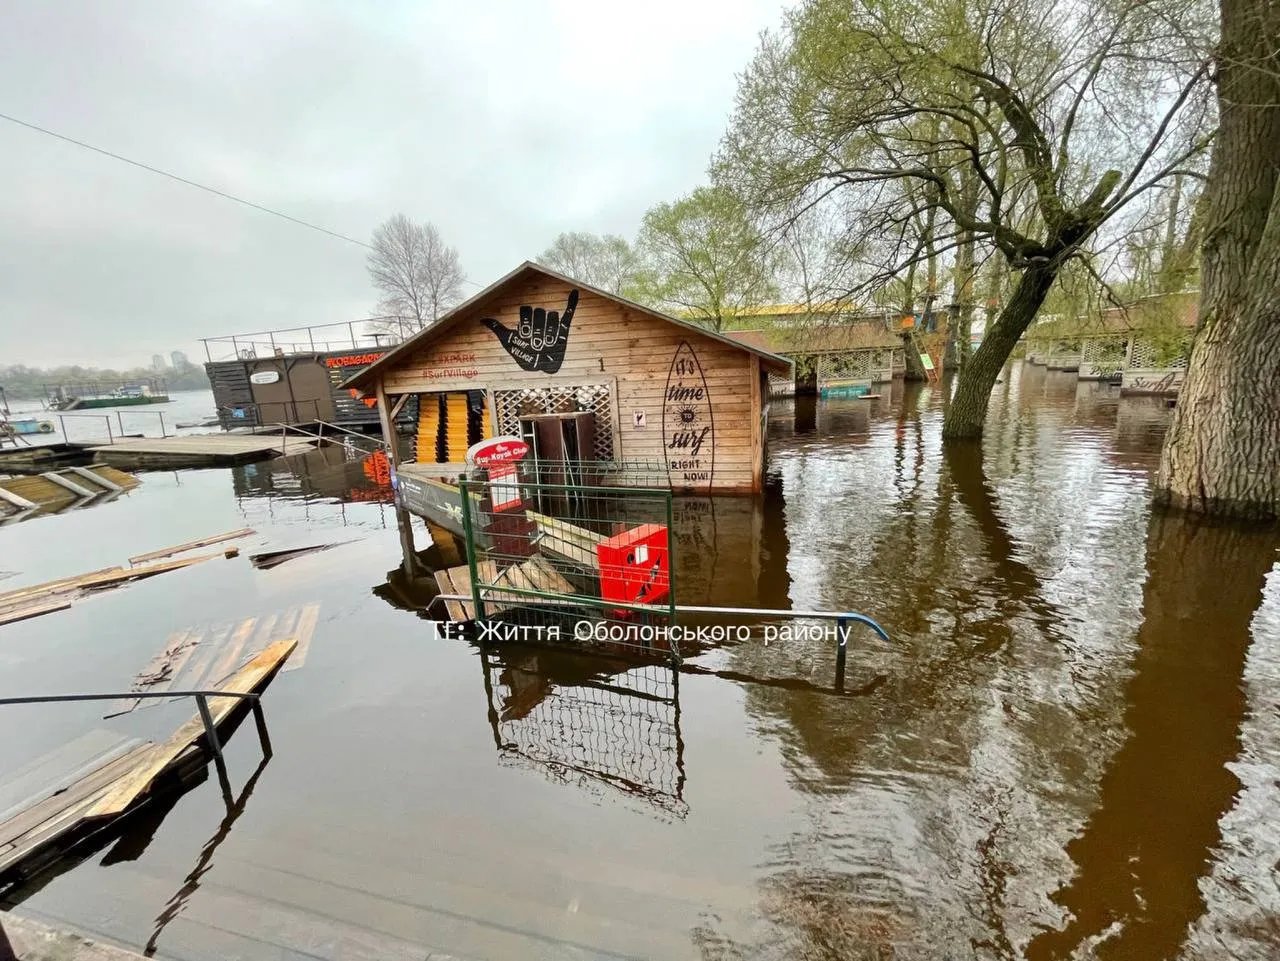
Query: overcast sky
point(503, 123)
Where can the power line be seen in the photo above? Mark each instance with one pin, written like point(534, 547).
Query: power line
point(184, 180)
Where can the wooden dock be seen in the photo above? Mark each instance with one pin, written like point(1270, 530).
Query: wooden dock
point(120, 779)
point(198, 450)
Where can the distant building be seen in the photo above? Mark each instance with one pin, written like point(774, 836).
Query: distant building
point(157, 362)
point(179, 360)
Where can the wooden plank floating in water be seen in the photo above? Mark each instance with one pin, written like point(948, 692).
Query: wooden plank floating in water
point(306, 627)
point(158, 668)
point(200, 658)
point(192, 545)
point(269, 559)
point(52, 594)
point(22, 612)
point(198, 450)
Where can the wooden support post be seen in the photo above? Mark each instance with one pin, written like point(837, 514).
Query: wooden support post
point(388, 423)
point(758, 381)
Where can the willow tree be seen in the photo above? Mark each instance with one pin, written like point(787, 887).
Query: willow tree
point(1015, 125)
point(1222, 453)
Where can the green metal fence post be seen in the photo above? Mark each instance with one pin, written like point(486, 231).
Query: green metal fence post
point(468, 531)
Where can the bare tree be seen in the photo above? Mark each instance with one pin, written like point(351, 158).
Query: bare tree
point(606, 261)
point(417, 273)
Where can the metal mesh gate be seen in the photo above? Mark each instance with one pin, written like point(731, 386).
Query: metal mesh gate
point(580, 562)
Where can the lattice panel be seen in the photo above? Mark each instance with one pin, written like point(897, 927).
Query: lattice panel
point(1098, 350)
point(510, 405)
point(781, 385)
point(851, 366)
point(1148, 356)
point(866, 364)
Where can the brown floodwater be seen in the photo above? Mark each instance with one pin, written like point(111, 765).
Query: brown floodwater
point(1070, 748)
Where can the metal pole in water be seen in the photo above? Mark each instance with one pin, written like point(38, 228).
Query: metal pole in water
point(120, 421)
point(160, 414)
point(211, 735)
point(260, 719)
point(110, 439)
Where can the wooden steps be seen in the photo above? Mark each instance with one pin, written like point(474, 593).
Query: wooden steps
point(119, 780)
point(534, 574)
point(57, 490)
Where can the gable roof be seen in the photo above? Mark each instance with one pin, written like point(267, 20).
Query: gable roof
point(448, 321)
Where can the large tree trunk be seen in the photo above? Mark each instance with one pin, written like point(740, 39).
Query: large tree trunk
point(968, 410)
point(1222, 453)
point(960, 325)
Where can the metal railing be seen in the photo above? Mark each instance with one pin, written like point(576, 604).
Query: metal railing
point(341, 335)
point(202, 705)
point(842, 619)
point(319, 434)
point(147, 413)
point(62, 427)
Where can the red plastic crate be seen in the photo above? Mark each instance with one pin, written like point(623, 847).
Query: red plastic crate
point(634, 566)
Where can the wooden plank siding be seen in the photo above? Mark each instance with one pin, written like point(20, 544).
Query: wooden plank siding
point(610, 342)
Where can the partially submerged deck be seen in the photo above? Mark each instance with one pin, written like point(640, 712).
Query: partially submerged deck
point(197, 450)
point(53, 491)
point(122, 777)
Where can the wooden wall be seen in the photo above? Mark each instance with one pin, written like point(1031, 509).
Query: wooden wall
point(681, 399)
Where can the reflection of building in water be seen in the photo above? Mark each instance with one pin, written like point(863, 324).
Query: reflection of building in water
point(335, 473)
point(616, 728)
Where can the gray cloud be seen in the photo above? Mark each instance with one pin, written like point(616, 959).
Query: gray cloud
point(503, 123)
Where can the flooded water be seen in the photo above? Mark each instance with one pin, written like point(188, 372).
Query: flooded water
point(184, 407)
point(1069, 749)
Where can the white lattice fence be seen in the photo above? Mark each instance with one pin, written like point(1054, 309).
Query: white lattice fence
point(867, 364)
point(510, 405)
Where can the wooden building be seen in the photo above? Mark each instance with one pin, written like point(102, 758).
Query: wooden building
point(582, 375)
point(831, 355)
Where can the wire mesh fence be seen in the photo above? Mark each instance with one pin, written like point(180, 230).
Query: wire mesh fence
point(554, 546)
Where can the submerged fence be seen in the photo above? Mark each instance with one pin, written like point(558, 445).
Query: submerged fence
point(540, 554)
